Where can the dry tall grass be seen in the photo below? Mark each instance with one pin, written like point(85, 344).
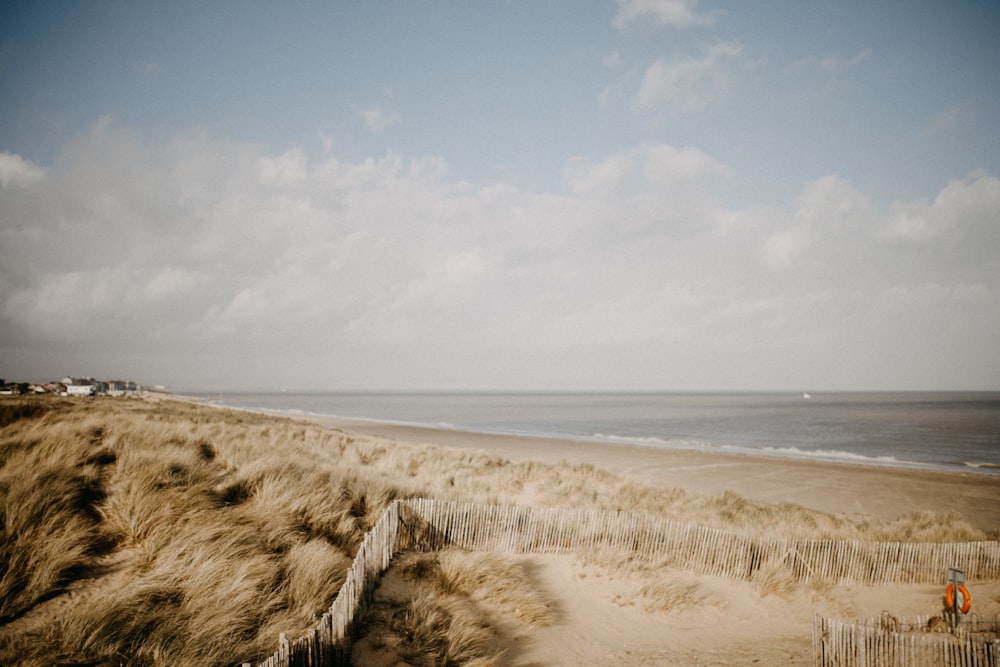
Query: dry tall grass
point(159, 532)
point(447, 608)
point(208, 531)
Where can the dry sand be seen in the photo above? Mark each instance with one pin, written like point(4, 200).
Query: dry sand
point(601, 619)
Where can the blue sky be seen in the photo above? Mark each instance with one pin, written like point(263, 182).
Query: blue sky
point(644, 194)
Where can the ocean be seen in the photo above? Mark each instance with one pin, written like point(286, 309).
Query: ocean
point(955, 431)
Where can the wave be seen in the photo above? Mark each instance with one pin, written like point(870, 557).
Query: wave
point(834, 454)
point(635, 441)
point(787, 452)
point(649, 441)
point(987, 466)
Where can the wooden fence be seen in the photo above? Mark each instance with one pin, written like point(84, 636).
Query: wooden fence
point(421, 524)
point(692, 547)
point(886, 640)
point(329, 642)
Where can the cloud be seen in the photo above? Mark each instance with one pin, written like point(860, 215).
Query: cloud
point(649, 189)
point(686, 83)
point(674, 13)
point(16, 171)
point(287, 169)
point(204, 261)
point(817, 230)
point(961, 213)
point(378, 119)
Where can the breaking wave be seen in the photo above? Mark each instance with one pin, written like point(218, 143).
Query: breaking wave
point(784, 452)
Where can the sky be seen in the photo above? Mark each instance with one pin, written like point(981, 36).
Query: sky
point(641, 195)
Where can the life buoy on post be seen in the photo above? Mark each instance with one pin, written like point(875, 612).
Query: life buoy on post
point(949, 598)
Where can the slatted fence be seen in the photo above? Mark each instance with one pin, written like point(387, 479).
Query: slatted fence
point(329, 643)
point(421, 524)
point(886, 640)
point(692, 547)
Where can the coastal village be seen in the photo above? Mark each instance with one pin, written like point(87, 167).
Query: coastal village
point(73, 386)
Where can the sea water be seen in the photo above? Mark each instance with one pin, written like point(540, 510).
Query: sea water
point(937, 430)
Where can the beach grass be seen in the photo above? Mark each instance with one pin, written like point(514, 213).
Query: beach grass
point(446, 608)
point(163, 532)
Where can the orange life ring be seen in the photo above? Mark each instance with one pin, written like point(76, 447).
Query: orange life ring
point(949, 598)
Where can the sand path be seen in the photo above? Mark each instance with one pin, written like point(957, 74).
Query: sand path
point(602, 618)
point(734, 625)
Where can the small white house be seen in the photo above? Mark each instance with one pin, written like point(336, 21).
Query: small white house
point(80, 389)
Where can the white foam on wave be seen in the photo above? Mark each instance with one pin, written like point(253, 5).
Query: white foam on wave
point(787, 452)
point(636, 441)
point(835, 454)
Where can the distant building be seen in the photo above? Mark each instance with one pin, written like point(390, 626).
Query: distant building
point(73, 386)
point(81, 390)
point(122, 388)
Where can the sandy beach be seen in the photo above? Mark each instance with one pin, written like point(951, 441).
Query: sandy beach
point(194, 493)
point(837, 488)
point(601, 619)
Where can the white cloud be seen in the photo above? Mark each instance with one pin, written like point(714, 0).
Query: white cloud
point(608, 175)
point(686, 83)
point(965, 211)
point(341, 272)
point(667, 166)
point(284, 170)
point(674, 13)
point(783, 248)
point(828, 214)
point(647, 192)
point(378, 119)
point(16, 171)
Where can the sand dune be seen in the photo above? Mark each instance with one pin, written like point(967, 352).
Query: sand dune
point(838, 488)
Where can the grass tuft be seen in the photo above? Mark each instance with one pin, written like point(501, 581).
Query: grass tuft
point(774, 578)
point(673, 593)
point(451, 606)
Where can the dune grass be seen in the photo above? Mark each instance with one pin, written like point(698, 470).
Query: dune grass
point(162, 532)
point(49, 515)
point(221, 535)
point(447, 608)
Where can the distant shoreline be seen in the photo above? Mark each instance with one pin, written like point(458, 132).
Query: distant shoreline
point(973, 462)
point(847, 489)
point(851, 489)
